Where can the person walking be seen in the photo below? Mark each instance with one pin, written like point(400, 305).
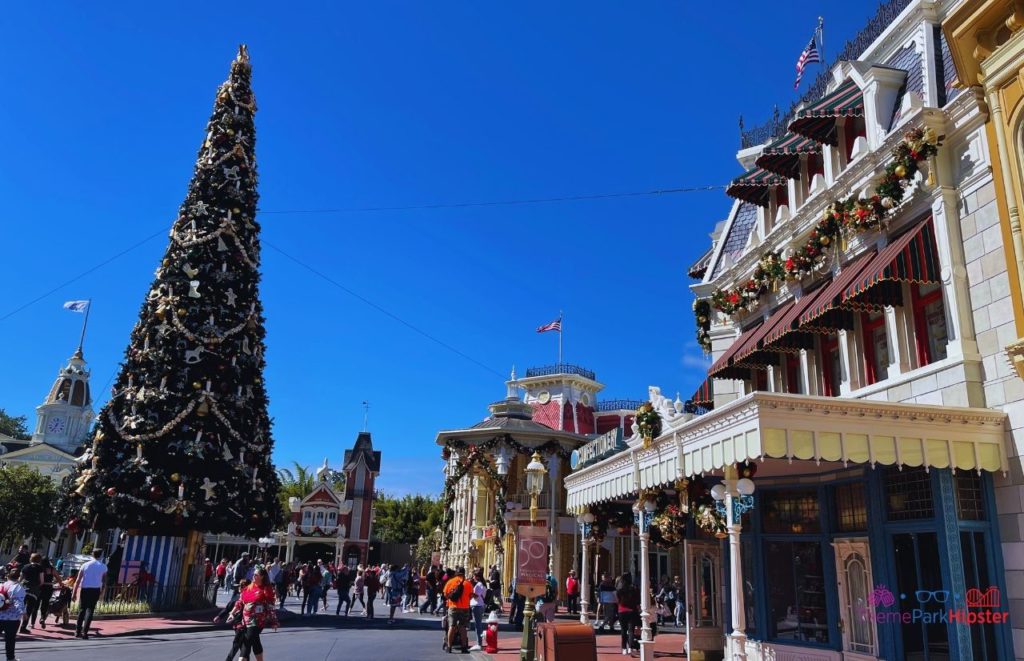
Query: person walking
point(88, 585)
point(430, 580)
point(326, 583)
point(457, 593)
point(50, 579)
point(32, 579)
point(572, 593)
point(360, 583)
point(12, 609)
point(238, 572)
point(477, 605)
point(281, 584)
point(547, 605)
point(311, 590)
point(515, 612)
point(255, 608)
point(343, 584)
point(398, 579)
point(221, 572)
point(372, 582)
point(606, 601)
point(628, 607)
point(412, 591)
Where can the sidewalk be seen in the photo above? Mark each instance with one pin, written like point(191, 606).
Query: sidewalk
point(666, 646)
point(126, 626)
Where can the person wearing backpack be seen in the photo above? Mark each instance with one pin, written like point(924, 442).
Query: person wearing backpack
point(12, 608)
point(547, 605)
point(457, 593)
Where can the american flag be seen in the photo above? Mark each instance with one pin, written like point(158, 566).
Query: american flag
point(809, 55)
point(555, 325)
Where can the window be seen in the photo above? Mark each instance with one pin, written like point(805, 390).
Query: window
point(796, 592)
point(793, 373)
point(919, 583)
point(909, 494)
point(983, 636)
point(307, 517)
point(970, 505)
point(876, 347)
point(749, 598)
point(851, 507)
point(760, 380)
point(929, 323)
point(832, 370)
point(791, 511)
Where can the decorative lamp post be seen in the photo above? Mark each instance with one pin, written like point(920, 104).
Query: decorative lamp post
point(264, 543)
point(586, 521)
point(733, 498)
point(643, 513)
point(535, 473)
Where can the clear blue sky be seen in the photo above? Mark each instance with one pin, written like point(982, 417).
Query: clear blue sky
point(102, 111)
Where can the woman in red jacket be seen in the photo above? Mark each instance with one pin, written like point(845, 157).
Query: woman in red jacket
point(256, 605)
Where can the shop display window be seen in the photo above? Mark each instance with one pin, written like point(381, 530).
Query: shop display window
point(796, 592)
point(790, 511)
point(851, 507)
point(908, 494)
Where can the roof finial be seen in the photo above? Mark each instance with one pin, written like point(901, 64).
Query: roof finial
point(366, 414)
point(511, 391)
point(243, 53)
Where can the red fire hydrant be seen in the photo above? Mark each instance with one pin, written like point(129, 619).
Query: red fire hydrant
point(491, 635)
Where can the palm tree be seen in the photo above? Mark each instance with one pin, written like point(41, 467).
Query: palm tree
point(297, 484)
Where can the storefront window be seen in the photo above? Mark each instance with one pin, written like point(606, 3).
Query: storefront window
point(749, 602)
point(796, 592)
point(919, 579)
point(970, 506)
point(851, 507)
point(791, 511)
point(983, 635)
point(908, 494)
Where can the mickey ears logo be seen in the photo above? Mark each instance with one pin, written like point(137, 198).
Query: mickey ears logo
point(987, 599)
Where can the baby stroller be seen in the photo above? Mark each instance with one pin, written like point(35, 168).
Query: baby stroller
point(60, 602)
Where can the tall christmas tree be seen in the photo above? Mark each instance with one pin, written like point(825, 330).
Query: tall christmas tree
point(184, 442)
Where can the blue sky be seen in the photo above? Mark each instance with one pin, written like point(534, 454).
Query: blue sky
point(391, 104)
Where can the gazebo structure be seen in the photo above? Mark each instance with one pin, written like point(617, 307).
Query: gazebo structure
point(485, 497)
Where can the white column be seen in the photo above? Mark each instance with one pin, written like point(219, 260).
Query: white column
point(949, 241)
point(738, 638)
point(646, 639)
point(585, 577)
point(805, 373)
point(896, 339)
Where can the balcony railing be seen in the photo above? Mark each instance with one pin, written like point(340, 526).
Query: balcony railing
point(521, 501)
point(619, 404)
point(561, 368)
point(854, 48)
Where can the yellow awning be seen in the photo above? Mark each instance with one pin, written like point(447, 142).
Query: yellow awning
point(804, 428)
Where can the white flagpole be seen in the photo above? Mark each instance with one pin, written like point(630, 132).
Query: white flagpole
point(85, 322)
point(821, 40)
point(561, 325)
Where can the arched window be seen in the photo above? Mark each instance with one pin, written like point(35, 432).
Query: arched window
point(78, 394)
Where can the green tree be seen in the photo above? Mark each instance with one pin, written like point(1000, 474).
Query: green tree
point(184, 443)
point(403, 520)
point(12, 426)
point(29, 502)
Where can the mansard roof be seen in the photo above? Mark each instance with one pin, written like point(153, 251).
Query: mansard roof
point(363, 448)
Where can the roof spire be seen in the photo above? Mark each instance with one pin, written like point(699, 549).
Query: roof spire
point(512, 391)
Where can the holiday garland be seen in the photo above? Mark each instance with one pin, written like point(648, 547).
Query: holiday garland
point(842, 219)
point(476, 457)
point(648, 422)
point(702, 311)
point(548, 447)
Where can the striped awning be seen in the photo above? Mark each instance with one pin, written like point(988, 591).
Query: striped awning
point(910, 258)
point(815, 318)
point(744, 355)
point(720, 369)
point(783, 156)
point(818, 121)
point(753, 186)
point(798, 428)
point(704, 396)
point(789, 323)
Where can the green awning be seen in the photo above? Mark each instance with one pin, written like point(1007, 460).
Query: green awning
point(783, 156)
point(818, 121)
point(753, 186)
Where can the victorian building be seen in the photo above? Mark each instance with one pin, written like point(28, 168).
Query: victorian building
point(844, 498)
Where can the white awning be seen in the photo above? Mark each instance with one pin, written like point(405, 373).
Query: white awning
point(799, 427)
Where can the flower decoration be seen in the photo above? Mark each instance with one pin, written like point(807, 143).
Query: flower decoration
point(841, 219)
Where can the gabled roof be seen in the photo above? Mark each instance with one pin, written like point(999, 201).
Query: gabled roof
point(322, 493)
point(27, 450)
point(363, 448)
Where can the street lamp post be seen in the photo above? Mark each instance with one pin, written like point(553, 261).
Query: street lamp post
point(643, 512)
point(535, 473)
point(264, 543)
point(734, 497)
point(586, 521)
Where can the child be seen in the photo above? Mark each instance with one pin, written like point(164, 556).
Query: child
point(236, 645)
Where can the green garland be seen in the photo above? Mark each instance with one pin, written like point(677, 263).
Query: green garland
point(842, 219)
point(548, 447)
point(476, 457)
point(702, 312)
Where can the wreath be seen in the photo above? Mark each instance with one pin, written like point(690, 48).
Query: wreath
point(648, 423)
point(668, 527)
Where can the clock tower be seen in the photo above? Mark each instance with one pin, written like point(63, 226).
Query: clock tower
point(63, 419)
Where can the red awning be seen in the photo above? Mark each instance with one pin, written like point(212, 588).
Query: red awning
point(704, 396)
point(767, 327)
point(818, 120)
point(788, 324)
point(753, 186)
point(783, 156)
point(910, 258)
point(725, 360)
point(830, 298)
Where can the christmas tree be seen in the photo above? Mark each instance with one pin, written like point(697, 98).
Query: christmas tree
point(184, 442)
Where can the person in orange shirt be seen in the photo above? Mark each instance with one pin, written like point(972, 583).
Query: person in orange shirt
point(457, 593)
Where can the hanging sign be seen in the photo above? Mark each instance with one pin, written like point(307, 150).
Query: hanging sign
point(604, 445)
point(531, 560)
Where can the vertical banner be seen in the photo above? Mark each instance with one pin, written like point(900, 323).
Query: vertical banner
point(531, 560)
